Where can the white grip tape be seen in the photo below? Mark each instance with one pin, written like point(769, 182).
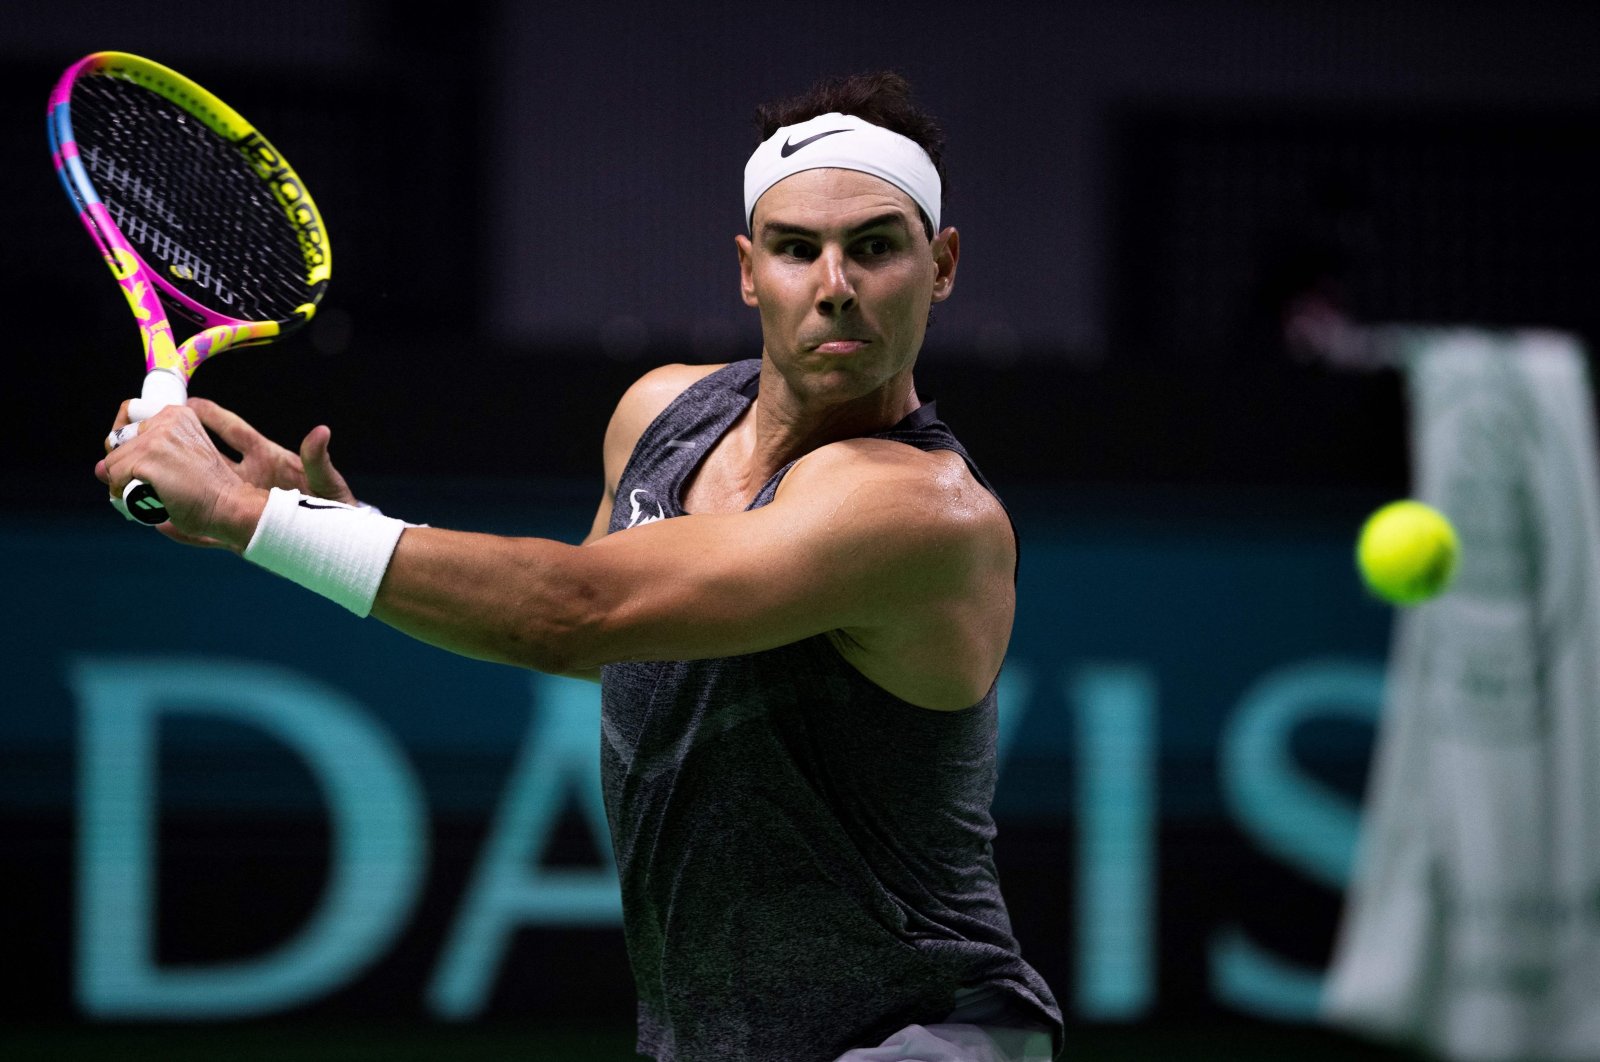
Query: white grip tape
point(336, 550)
point(162, 388)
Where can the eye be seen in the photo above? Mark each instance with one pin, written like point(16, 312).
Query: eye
point(875, 246)
point(797, 249)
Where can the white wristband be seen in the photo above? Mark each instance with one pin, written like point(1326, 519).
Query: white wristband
point(336, 550)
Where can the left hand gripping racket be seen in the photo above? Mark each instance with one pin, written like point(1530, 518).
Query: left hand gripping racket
point(194, 211)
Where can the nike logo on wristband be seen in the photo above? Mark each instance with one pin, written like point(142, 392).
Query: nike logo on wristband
point(308, 505)
point(789, 149)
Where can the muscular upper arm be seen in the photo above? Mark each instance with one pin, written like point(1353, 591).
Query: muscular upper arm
point(899, 552)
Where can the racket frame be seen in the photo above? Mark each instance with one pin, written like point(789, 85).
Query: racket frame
point(144, 286)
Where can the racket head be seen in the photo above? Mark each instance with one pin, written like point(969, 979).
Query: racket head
point(187, 202)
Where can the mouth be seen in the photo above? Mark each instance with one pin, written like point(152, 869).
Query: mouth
point(839, 346)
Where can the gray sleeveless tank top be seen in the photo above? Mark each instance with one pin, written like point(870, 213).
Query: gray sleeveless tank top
point(805, 859)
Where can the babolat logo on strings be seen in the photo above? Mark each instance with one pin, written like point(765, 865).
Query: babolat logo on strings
point(286, 188)
point(158, 246)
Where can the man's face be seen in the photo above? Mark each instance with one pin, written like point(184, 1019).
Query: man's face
point(843, 274)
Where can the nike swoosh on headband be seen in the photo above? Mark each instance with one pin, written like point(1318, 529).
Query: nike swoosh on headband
point(789, 149)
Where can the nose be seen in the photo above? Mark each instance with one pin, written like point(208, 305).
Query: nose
point(836, 293)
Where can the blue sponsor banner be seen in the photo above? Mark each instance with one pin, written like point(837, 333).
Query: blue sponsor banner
point(231, 799)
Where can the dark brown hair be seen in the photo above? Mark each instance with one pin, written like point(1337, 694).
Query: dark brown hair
point(881, 97)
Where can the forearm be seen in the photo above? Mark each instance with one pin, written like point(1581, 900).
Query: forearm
point(519, 601)
point(510, 600)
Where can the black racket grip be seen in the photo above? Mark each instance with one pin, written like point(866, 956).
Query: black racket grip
point(142, 504)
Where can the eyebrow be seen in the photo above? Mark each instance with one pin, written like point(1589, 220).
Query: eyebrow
point(783, 228)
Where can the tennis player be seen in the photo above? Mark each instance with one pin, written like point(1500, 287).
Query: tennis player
point(797, 594)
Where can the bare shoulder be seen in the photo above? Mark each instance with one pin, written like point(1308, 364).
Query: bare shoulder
point(641, 403)
point(650, 393)
point(937, 480)
point(644, 400)
point(930, 499)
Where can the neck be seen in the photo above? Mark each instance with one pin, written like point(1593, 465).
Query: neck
point(789, 423)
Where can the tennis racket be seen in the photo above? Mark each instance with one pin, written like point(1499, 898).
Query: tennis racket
point(194, 211)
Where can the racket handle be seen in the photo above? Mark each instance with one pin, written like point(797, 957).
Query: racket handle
point(162, 387)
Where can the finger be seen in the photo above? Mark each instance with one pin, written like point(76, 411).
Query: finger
point(125, 430)
point(314, 447)
point(112, 464)
point(229, 426)
point(323, 479)
point(116, 472)
point(126, 433)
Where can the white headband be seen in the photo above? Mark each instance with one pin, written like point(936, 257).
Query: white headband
point(845, 142)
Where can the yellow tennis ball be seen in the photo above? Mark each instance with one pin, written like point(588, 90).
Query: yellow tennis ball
point(1407, 552)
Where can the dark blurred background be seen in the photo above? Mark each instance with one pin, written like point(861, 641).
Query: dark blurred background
point(530, 205)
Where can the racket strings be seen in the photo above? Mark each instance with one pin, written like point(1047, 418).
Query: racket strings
point(188, 201)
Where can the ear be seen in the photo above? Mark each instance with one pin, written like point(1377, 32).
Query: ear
point(946, 249)
point(747, 282)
